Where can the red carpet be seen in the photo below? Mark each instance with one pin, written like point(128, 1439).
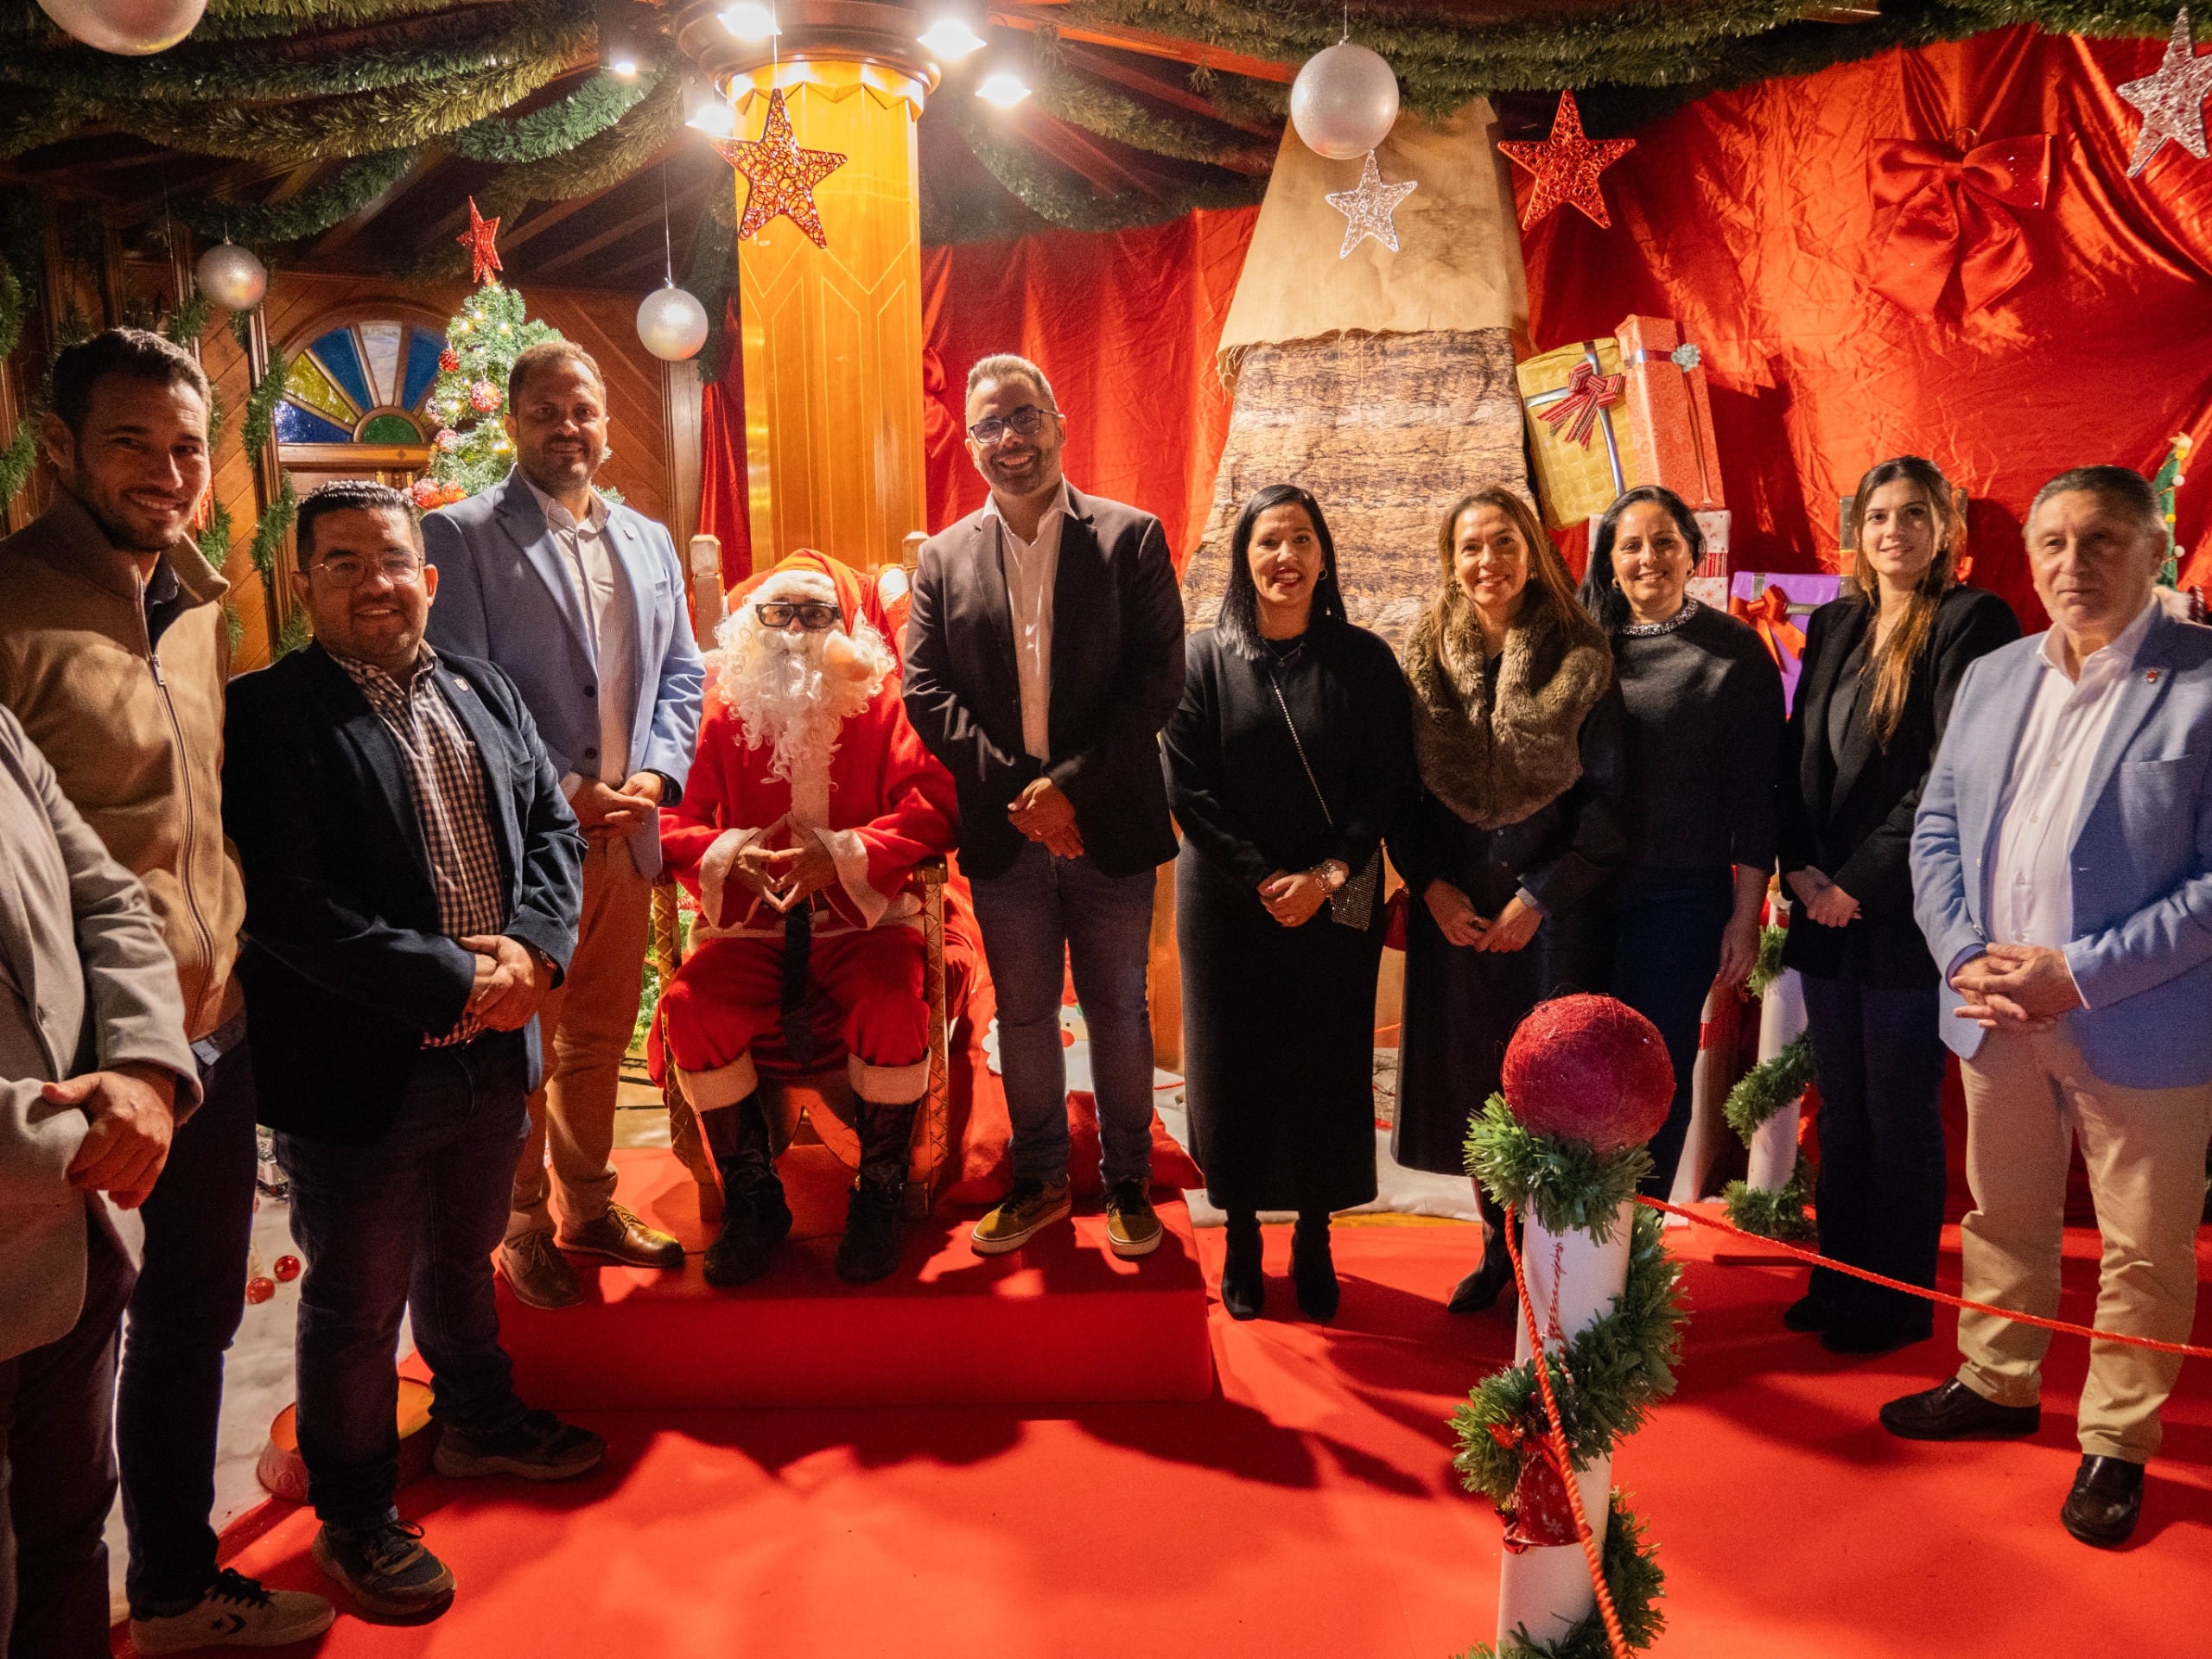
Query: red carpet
point(1059, 1319)
point(1307, 1508)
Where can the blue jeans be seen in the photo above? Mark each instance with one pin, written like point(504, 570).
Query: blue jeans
point(406, 1226)
point(1040, 911)
point(1667, 932)
point(1879, 1197)
point(186, 1310)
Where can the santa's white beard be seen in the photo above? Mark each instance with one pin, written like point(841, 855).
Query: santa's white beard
point(785, 700)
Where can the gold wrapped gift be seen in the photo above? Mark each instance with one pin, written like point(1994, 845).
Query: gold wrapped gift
point(1577, 399)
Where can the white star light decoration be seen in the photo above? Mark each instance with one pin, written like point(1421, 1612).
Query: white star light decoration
point(1367, 208)
point(2172, 100)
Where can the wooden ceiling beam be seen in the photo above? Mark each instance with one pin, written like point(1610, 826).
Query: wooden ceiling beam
point(627, 227)
point(292, 183)
point(548, 214)
point(1144, 41)
point(347, 231)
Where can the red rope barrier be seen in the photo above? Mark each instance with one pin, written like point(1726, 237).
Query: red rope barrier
point(1820, 1260)
point(1560, 1449)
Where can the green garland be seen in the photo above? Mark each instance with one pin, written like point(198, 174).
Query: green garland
point(18, 458)
point(186, 324)
point(336, 199)
point(261, 405)
point(1774, 1212)
point(269, 530)
point(1566, 1184)
point(1629, 1562)
point(214, 542)
point(559, 126)
point(1086, 103)
point(712, 274)
point(626, 146)
point(1766, 969)
point(1605, 1380)
point(11, 309)
point(1769, 1086)
point(296, 633)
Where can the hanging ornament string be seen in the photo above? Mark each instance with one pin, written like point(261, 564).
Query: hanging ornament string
point(2172, 100)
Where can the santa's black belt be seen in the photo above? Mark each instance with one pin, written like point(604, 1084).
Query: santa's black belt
point(798, 946)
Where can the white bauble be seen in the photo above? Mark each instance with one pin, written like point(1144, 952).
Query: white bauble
point(232, 276)
point(132, 29)
point(1344, 101)
point(672, 323)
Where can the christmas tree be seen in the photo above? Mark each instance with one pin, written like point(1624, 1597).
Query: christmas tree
point(471, 450)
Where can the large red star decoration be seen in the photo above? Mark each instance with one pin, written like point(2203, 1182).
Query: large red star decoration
point(780, 175)
point(1567, 166)
point(483, 257)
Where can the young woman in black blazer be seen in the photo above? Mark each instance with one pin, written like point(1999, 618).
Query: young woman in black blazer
point(1882, 664)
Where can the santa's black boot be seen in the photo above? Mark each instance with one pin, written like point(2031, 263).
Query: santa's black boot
point(869, 1250)
point(755, 1218)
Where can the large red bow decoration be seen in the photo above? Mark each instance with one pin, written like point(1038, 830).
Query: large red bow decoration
point(1770, 615)
point(1948, 209)
point(1588, 391)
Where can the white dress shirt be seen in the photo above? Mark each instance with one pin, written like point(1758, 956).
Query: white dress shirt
point(610, 626)
point(1031, 568)
point(2031, 883)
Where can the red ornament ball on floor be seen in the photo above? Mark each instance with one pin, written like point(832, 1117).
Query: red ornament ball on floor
point(258, 1291)
point(1589, 1068)
point(287, 1268)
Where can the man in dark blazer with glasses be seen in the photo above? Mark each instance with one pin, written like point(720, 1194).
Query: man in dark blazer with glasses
point(1044, 653)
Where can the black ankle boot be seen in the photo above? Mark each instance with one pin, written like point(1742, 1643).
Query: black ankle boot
point(869, 1249)
point(1311, 1267)
point(1243, 1288)
point(755, 1217)
point(1480, 1289)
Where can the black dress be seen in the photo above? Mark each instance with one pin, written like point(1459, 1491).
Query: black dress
point(1462, 1005)
point(1278, 1023)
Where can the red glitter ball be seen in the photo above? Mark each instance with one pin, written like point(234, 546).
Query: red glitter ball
point(259, 1290)
point(287, 1268)
point(1589, 1068)
point(448, 360)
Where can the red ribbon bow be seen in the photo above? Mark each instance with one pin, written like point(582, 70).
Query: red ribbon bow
point(1770, 615)
point(1588, 391)
point(1951, 209)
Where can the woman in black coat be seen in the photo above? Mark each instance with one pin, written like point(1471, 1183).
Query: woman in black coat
point(1517, 733)
point(1705, 726)
point(1882, 664)
point(1287, 763)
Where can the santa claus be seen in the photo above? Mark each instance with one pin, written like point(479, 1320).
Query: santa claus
point(810, 804)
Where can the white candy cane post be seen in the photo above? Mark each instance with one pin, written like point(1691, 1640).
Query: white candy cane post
point(1773, 1145)
point(1572, 1280)
point(1708, 1101)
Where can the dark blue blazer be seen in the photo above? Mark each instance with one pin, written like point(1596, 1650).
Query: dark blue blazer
point(343, 966)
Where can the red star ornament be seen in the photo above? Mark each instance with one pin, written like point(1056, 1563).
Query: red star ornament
point(1567, 166)
point(483, 257)
point(781, 176)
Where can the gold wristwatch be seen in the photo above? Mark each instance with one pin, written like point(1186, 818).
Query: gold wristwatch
point(1332, 873)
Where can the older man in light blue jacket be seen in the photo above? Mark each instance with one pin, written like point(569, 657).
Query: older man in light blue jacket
point(2063, 874)
point(582, 602)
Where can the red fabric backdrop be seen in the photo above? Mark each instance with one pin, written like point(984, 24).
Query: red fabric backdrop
point(1124, 326)
point(1748, 216)
point(724, 510)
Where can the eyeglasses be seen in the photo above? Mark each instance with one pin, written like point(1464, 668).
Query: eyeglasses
point(349, 571)
point(811, 614)
point(1026, 422)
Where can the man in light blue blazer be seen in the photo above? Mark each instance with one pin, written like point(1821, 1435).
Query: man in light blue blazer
point(2063, 873)
point(582, 603)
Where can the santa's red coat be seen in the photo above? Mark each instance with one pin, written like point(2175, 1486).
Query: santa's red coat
point(884, 787)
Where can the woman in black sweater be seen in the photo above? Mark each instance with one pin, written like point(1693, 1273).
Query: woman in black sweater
point(1705, 726)
point(1287, 763)
point(1882, 665)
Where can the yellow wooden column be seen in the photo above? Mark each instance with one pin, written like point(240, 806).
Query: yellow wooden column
point(833, 336)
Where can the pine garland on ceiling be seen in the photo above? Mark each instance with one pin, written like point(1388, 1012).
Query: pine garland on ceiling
point(559, 127)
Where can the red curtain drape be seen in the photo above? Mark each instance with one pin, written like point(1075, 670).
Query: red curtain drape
point(1749, 216)
point(723, 509)
point(1124, 324)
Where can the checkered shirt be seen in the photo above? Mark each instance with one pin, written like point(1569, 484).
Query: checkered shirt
point(447, 786)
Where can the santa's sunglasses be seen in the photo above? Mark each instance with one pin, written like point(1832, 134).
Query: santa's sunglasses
point(811, 614)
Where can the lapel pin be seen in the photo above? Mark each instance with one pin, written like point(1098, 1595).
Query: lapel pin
point(2151, 677)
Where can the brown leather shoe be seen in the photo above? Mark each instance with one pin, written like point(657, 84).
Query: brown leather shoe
point(538, 1274)
point(2106, 1503)
point(1952, 1411)
point(620, 1236)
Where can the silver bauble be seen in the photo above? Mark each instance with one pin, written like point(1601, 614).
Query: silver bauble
point(1343, 102)
point(232, 276)
point(132, 28)
point(672, 323)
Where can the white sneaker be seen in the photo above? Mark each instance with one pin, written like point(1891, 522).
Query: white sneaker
point(236, 1612)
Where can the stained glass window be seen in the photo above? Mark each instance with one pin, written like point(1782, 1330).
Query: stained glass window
point(364, 383)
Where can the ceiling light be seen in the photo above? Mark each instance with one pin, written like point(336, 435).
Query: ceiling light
point(1002, 89)
point(950, 38)
point(751, 20)
point(708, 111)
point(620, 60)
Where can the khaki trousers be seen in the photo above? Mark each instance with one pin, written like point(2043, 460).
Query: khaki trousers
point(2028, 1099)
point(585, 1023)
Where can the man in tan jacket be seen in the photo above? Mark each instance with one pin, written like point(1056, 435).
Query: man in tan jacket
point(114, 648)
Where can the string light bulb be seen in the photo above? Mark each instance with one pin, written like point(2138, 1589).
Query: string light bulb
point(1002, 89)
point(750, 20)
point(950, 38)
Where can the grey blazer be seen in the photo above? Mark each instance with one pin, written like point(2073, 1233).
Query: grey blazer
point(86, 984)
